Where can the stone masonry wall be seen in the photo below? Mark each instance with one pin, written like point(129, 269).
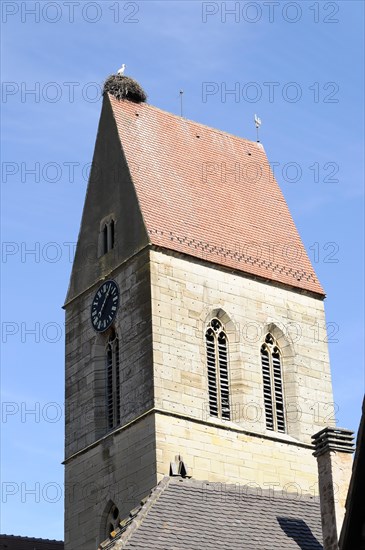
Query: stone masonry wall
point(85, 357)
point(121, 469)
point(122, 460)
point(222, 455)
point(166, 303)
point(185, 296)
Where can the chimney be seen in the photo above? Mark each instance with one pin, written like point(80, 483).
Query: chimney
point(333, 449)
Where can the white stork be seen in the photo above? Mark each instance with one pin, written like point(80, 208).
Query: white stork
point(121, 70)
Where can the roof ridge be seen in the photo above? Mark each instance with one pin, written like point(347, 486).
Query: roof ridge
point(129, 525)
point(191, 121)
point(30, 538)
point(251, 491)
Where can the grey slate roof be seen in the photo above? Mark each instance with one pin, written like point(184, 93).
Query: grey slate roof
point(185, 514)
point(12, 542)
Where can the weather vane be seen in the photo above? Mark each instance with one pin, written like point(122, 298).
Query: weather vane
point(257, 124)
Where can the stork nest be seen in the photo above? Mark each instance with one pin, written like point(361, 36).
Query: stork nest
point(124, 87)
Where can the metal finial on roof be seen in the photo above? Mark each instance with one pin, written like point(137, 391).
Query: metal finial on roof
point(179, 468)
point(181, 102)
point(257, 124)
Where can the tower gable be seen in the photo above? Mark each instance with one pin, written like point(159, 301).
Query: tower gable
point(110, 198)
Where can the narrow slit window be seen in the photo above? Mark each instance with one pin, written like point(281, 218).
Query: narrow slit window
point(105, 239)
point(111, 232)
point(113, 400)
point(217, 367)
point(107, 236)
point(273, 385)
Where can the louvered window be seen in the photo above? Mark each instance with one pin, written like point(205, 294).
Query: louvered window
point(113, 381)
point(217, 363)
point(273, 385)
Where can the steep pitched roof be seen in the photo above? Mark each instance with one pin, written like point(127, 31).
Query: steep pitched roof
point(184, 514)
point(211, 195)
point(12, 542)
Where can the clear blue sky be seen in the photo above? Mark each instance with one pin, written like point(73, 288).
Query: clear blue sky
point(299, 66)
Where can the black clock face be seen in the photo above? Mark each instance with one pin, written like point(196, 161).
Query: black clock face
point(105, 305)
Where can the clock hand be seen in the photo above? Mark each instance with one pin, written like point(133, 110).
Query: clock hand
point(105, 299)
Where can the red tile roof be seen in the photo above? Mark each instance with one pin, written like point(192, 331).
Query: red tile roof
point(211, 195)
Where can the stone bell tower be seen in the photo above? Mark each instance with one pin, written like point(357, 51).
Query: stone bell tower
point(189, 320)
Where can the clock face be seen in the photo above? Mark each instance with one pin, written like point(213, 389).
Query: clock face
point(105, 305)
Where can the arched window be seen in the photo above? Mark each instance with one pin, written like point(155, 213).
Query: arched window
point(111, 522)
point(113, 381)
point(217, 363)
point(273, 385)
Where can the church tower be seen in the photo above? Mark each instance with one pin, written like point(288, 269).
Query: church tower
point(192, 321)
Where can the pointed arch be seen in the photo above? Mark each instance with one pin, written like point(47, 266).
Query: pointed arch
point(219, 313)
point(271, 364)
point(110, 519)
point(283, 340)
